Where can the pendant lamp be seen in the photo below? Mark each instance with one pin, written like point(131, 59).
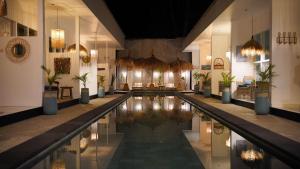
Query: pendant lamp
point(57, 35)
point(252, 47)
point(3, 8)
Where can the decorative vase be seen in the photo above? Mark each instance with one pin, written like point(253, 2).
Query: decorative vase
point(262, 103)
point(101, 91)
point(196, 89)
point(85, 96)
point(207, 91)
point(226, 98)
point(50, 103)
point(111, 90)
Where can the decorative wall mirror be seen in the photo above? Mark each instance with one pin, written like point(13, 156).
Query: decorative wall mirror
point(17, 50)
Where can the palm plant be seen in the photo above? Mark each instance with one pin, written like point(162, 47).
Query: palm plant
point(227, 79)
point(266, 77)
point(82, 78)
point(206, 78)
point(50, 79)
point(101, 80)
point(197, 77)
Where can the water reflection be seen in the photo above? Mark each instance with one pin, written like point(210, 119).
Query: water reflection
point(157, 122)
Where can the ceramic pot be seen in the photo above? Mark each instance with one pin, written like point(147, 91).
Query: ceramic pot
point(196, 89)
point(85, 96)
point(207, 91)
point(50, 103)
point(126, 87)
point(226, 97)
point(262, 104)
point(101, 91)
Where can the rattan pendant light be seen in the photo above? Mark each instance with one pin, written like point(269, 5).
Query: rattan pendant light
point(57, 35)
point(3, 8)
point(252, 47)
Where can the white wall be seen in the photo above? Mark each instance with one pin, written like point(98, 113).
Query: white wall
point(22, 83)
point(241, 33)
point(220, 44)
point(286, 58)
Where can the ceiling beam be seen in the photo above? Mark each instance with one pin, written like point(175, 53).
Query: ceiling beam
point(214, 10)
point(101, 11)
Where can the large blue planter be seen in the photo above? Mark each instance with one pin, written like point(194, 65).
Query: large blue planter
point(85, 96)
point(262, 105)
point(101, 91)
point(226, 97)
point(50, 103)
point(207, 91)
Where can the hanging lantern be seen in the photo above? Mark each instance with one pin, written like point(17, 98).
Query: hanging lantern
point(57, 35)
point(252, 47)
point(57, 38)
point(3, 8)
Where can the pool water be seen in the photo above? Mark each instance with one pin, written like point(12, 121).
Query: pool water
point(155, 132)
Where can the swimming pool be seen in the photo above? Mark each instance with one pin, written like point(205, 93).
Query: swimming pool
point(158, 132)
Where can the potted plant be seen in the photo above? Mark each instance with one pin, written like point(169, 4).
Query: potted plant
point(49, 97)
point(85, 96)
point(262, 91)
point(101, 89)
point(227, 80)
point(197, 77)
point(206, 84)
point(111, 86)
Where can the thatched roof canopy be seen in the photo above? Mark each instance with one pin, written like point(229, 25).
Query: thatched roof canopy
point(181, 65)
point(125, 62)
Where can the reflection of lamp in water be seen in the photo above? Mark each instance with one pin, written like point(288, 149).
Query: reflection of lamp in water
point(156, 106)
point(170, 106)
point(138, 107)
point(251, 156)
point(124, 107)
point(218, 128)
point(59, 164)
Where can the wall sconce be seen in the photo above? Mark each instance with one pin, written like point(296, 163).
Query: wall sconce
point(208, 58)
point(286, 37)
point(228, 54)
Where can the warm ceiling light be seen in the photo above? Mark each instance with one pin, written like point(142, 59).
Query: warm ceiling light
point(252, 47)
point(57, 38)
point(3, 8)
point(57, 35)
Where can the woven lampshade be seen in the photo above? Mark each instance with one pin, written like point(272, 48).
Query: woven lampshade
point(57, 38)
point(3, 8)
point(251, 48)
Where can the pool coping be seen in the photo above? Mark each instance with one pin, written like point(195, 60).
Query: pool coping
point(29, 153)
point(283, 148)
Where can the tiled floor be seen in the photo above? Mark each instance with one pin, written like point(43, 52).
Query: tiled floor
point(14, 134)
point(284, 127)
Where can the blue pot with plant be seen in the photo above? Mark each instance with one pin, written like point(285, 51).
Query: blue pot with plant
point(101, 89)
point(84, 94)
point(206, 84)
point(49, 97)
point(197, 77)
point(227, 80)
point(262, 92)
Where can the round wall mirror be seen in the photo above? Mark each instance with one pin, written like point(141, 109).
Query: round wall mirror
point(17, 49)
